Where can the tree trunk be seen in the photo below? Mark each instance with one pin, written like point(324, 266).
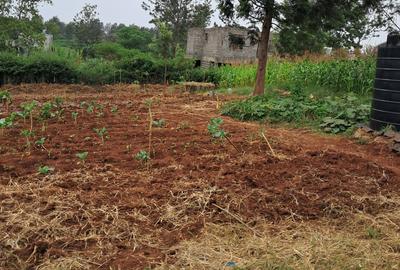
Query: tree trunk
point(263, 56)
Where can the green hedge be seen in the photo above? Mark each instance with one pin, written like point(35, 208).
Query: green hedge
point(47, 68)
point(111, 63)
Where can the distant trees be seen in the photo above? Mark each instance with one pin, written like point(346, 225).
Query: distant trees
point(327, 16)
point(55, 27)
point(179, 16)
point(352, 23)
point(20, 24)
point(134, 37)
point(88, 29)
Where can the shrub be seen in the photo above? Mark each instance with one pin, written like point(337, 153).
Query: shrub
point(39, 67)
point(109, 51)
point(97, 71)
point(332, 114)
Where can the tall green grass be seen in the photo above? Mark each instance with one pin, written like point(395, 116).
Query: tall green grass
point(338, 75)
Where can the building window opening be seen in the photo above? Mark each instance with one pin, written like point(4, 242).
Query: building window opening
point(236, 42)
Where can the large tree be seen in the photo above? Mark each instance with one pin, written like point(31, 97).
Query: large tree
point(135, 37)
point(20, 24)
point(265, 13)
point(359, 22)
point(180, 15)
point(88, 29)
point(55, 27)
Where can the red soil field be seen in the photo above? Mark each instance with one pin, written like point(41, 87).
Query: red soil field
point(116, 212)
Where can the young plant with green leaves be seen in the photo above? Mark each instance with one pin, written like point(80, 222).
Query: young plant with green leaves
point(114, 109)
point(8, 121)
point(45, 170)
point(216, 132)
point(5, 99)
point(46, 111)
point(160, 123)
point(41, 143)
point(75, 117)
point(82, 156)
point(142, 156)
point(102, 133)
point(28, 134)
point(28, 109)
point(90, 108)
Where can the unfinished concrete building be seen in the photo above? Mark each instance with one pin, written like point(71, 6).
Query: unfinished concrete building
point(220, 45)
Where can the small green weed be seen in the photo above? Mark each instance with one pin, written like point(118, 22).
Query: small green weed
point(160, 123)
point(114, 109)
point(102, 133)
point(143, 156)
point(75, 116)
point(5, 98)
point(214, 128)
point(373, 233)
point(45, 170)
point(28, 134)
point(82, 156)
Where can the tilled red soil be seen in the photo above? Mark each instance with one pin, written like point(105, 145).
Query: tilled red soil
point(115, 211)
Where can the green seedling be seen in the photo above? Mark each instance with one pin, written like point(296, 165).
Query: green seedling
point(114, 109)
point(44, 170)
point(40, 142)
point(7, 122)
point(99, 106)
point(74, 116)
point(59, 102)
point(142, 156)
point(5, 98)
point(215, 130)
point(90, 108)
point(373, 233)
point(28, 110)
point(82, 156)
point(159, 123)
point(46, 110)
point(102, 133)
point(28, 134)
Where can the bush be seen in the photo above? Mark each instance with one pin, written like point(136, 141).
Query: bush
point(332, 114)
point(142, 68)
point(109, 51)
point(97, 71)
point(39, 67)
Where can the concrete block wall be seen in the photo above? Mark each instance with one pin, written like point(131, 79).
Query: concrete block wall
point(213, 45)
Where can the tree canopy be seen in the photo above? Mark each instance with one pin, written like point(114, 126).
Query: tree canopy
point(87, 27)
point(179, 15)
point(321, 16)
point(20, 24)
point(135, 37)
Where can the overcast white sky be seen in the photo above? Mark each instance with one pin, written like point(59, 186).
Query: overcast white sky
point(122, 11)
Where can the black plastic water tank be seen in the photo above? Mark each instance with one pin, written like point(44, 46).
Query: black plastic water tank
point(386, 99)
